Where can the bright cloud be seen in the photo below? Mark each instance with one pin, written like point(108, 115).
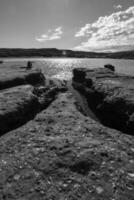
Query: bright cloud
point(117, 7)
point(113, 32)
point(51, 35)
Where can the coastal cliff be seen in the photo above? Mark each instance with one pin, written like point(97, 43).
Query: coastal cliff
point(61, 153)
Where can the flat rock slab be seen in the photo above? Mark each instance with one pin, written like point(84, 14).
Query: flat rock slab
point(62, 154)
point(17, 105)
point(12, 75)
point(21, 103)
point(109, 94)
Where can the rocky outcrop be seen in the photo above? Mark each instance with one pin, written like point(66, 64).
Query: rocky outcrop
point(109, 95)
point(17, 106)
point(61, 154)
point(47, 93)
point(109, 66)
point(17, 75)
point(20, 104)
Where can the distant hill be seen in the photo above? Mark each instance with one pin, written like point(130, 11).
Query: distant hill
point(53, 52)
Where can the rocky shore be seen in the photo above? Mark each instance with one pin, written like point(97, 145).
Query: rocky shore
point(51, 149)
point(109, 95)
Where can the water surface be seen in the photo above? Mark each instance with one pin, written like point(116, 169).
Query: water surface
point(62, 67)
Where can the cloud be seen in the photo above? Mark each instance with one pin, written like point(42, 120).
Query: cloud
point(51, 35)
point(113, 32)
point(83, 30)
point(117, 6)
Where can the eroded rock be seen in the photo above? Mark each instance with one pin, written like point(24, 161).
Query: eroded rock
point(110, 95)
point(109, 66)
point(17, 106)
point(11, 76)
point(61, 154)
point(20, 104)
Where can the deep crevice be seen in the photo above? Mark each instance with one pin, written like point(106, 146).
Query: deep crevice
point(14, 120)
point(81, 103)
point(106, 117)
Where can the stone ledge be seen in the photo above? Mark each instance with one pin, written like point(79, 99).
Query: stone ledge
point(109, 94)
point(11, 76)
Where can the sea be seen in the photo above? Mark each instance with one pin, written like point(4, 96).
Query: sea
point(61, 68)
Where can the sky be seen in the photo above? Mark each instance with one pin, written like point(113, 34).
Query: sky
point(87, 25)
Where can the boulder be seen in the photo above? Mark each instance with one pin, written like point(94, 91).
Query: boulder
point(109, 66)
point(79, 74)
point(17, 106)
point(29, 65)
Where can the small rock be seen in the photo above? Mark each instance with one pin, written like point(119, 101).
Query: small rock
point(65, 185)
point(99, 190)
point(17, 177)
point(4, 162)
point(76, 185)
point(131, 175)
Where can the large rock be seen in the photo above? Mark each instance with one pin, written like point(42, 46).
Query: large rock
point(110, 95)
point(62, 154)
point(109, 66)
point(17, 106)
point(20, 104)
point(11, 76)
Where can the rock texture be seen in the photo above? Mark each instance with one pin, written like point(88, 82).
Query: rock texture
point(110, 95)
point(11, 76)
point(109, 66)
point(21, 103)
point(62, 154)
point(17, 106)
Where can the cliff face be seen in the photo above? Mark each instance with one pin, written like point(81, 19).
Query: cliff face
point(110, 96)
point(59, 153)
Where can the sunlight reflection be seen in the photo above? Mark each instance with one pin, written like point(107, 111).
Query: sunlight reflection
point(64, 60)
point(63, 76)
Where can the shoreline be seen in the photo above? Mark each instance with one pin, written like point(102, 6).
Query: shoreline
point(28, 58)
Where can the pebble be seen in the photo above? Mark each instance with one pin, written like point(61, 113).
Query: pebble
point(99, 190)
point(132, 149)
point(131, 175)
point(131, 161)
point(4, 162)
point(76, 186)
point(65, 185)
point(17, 177)
point(37, 174)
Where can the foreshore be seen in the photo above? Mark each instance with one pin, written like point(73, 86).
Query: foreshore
point(66, 140)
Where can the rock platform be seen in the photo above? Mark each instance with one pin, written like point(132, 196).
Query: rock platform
point(109, 94)
point(60, 153)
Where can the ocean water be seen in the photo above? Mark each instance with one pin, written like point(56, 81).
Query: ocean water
point(62, 67)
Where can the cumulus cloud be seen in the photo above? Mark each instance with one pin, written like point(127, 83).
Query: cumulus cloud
point(83, 30)
point(113, 32)
point(51, 35)
point(117, 6)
